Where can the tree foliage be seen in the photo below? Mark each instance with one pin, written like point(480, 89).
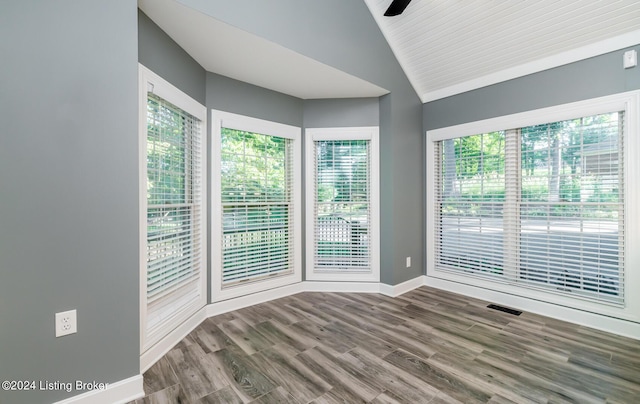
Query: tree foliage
point(167, 159)
point(342, 171)
point(552, 160)
point(253, 167)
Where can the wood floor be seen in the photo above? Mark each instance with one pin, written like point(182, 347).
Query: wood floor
point(426, 346)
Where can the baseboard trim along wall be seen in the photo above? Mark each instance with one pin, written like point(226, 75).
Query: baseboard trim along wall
point(608, 324)
point(153, 354)
point(130, 389)
point(598, 321)
point(115, 393)
point(240, 302)
point(345, 287)
point(156, 352)
point(401, 288)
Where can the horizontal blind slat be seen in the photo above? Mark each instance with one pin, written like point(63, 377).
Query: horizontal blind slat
point(257, 204)
point(569, 206)
point(174, 209)
point(342, 206)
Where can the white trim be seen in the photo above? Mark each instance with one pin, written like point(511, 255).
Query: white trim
point(544, 308)
point(148, 80)
point(132, 388)
point(256, 125)
point(160, 348)
point(379, 19)
point(342, 287)
point(167, 91)
point(119, 392)
point(220, 119)
point(220, 307)
point(607, 324)
point(628, 101)
point(142, 199)
point(402, 288)
point(347, 133)
point(560, 59)
point(534, 117)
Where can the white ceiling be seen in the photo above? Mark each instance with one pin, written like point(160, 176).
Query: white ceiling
point(444, 46)
point(450, 46)
point(232, 52)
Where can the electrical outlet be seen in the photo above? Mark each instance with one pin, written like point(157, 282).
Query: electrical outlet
point(408, 262)
point(66, 323)
point(630, 59)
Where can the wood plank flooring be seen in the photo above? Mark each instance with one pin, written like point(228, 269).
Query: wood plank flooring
point(426, 346)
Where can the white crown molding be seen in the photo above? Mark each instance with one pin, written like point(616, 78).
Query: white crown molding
point(564, 58)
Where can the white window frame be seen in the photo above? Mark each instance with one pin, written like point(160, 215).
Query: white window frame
point(628, 102)
point(148, 81)
point(219, 120)
point(370, 133)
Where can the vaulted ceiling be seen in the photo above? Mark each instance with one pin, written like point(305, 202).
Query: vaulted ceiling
point(444, 46)
point(450, 46)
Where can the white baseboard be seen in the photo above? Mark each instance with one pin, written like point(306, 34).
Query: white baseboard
point(115, 393)
point(224, 306)
point(600, 322)
point(132, 388)
point(402, 288)
point(571, 315)
point(346, 287)
point(153, 354)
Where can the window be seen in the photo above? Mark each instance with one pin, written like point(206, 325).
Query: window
point(342, 204)
point(257, 181)
point(173, 209)
point(538, 201)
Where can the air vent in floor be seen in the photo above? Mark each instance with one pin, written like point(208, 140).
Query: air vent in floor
point(505, 309)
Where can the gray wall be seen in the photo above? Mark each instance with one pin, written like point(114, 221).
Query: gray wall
point(69, 203)
point(160, 53)
point(345, 112)
point(595, 77)
point(229, 95)
point(343, 34)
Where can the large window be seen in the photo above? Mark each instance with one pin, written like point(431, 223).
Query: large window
point(173, 208)
point(342, 204)
point(257, 195)
point(537, 201)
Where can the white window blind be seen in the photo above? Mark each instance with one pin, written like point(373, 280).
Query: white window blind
point(540, 206)
point(342, 211)
point(174, 211)
point(342, 205)
point(257, 206)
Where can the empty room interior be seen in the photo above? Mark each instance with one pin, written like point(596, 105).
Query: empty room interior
point(319, 201)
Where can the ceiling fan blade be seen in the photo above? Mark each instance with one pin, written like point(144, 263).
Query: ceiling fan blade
point(396, 7)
